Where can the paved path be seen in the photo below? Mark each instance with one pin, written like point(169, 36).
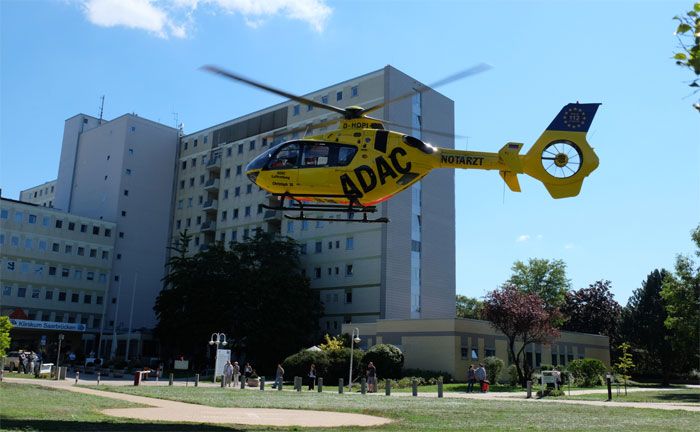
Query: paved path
point(165, 410)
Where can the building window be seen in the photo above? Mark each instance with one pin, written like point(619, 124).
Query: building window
point(90, 276)
point(239, 170)
point(75, 298)
point(247, 211)
point(302, 249)
point(228, 152)
point(119, 256)
point(108, 232)
point(339, 96)
point(87, 299)
point(324, 99)
point(121, 234)
point(260, 208)
point(3, 214)
point(96, 230)
point(249, 189)
point(54, 247)
point(98, 300)
point(184, 164)
point(83, 228)
point(62, 296)
point(59, 222)
point(123, 213)
point(246, 232)
point(317, 273)
point(191, 181)
point(52, 271)
point(224, 214)
point(349, 243)
point(32, 219)
point(354, 91)
point(227, 173)
point(348, 270)
point(182, 185)
point(105, 255)
point(78, 274)
point(65, 272)
point(304, 225)
point(201, 179)
point(475, 353)
point(226, 194)
point(199, 220)
point(234, 235)
point(21, 292)
point(237, 191)
point(489, 352)
point(235, 214)
point(318, 247)
point(68, 249)
point(81, 251)
point(35, 293)
point(309, 107)
point(348, 297)
point(295, 110)
point(48, 295)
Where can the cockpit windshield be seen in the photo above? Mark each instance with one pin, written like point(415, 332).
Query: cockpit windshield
point(305, 154)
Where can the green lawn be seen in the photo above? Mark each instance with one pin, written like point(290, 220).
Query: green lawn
point(421, 414)
point(670, 396)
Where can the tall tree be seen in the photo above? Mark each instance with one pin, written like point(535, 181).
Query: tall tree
point(643, 326)
point(254, 292)
point(688, 34)
point(592, 310)
point(524, 319)
point(681, 294)
point(546, 278)
point(5, 327)
point(469, 307)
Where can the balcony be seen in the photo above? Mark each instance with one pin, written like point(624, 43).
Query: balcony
point(212, 185)
point(210, 206)
point(214, 164)
point(208, 226)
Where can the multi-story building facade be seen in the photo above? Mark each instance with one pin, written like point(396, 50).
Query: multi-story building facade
point(363, 272)
point(122, 171)
point(55, 269)
point(43, 195)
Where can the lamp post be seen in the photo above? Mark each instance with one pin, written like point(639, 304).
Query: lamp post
point(58, 356)
point(216, 339)
point(354, 338)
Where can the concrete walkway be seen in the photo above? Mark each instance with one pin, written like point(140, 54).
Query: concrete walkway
point(165, 410)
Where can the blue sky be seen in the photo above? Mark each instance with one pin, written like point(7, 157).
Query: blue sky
point(634, 214)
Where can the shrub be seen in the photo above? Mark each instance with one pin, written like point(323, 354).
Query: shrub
point(298, 364)
point(546, 367)
point(388, 360)
point(493, 366)
point(427, 374)
point(513, 375)
point(550, 391)
point(339, 366)
point(587, 372)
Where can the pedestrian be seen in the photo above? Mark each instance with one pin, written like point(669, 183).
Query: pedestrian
point(37, 365)
point(471, 378)
point(247, 371)
point(480, 375)
point(312, 376)
point(279, 376)
point(228, 373)
point(371, 378)
point(236, 374)
point(32, 361)
point(25, 362)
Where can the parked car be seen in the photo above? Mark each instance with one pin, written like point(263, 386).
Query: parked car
point(11, 361)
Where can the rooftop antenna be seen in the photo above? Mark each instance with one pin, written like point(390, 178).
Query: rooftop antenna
point(102, 107)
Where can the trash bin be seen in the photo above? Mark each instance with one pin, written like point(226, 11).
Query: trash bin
point(137, 378)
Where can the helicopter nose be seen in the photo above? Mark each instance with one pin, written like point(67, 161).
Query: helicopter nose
point(252, 175)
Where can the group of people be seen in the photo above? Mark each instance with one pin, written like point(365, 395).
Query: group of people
point(29, 362)
point(475, 375)
point(233, 373)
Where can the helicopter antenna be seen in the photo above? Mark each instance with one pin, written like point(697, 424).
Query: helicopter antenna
point(102, 107)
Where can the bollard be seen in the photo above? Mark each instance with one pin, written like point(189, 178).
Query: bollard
point(340, 386)
point(262, 383)
point(529, 389)
point(440, 387)
point(609, 381)
point(243, 380)
point(363, 385)
point(279, 385)
point(297, 383)
point(77, 377)
point(320, 385)
point(170, 381)
point(387, 387)
point(414, 387)
point(98, 378)
point(196, 380)
point(223, 381)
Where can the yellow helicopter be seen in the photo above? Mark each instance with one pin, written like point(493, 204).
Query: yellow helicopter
point(359, 165)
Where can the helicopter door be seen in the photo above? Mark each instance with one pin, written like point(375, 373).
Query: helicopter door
point(315, 168)
point(284, 165)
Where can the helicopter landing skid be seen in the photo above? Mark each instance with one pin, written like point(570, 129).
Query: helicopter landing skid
point(350, 209)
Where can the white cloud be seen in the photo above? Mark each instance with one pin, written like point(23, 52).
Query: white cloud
point(176, 17)
point(523, 238)
point(569, 246)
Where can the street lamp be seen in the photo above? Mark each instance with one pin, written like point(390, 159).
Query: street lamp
point(354, 338)
point(58, 356)
point(216, 339)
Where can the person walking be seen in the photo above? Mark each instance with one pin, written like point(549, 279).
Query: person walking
point(228, 373)
point(236, 372)
point(480, 374)
point(312, 376)
point(471, 378)
point(32, 361)
point(24, 360)
point(279, 376)
point(371, 378)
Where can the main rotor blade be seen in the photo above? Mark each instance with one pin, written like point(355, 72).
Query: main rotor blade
point(300, 99)
point(434, 132)
point(305, 128)
point(476, 69)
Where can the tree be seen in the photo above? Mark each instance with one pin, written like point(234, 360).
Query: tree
point(642, 325)
point(592, 310)
point(524, 319)
point(681, 295)
point(468, 307)
point(254, 292)
point(5, 327)
point(625, 364)
point(688, 34)
point(388, 359)
point(543, 277)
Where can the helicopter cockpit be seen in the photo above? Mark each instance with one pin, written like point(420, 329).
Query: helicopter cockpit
point(304, 154)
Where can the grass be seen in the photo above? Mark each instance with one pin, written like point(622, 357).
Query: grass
point(670, 396)
point(432, 414)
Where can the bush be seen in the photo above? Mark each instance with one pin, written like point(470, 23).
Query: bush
point(299, 364)
point(587, 372)
point(550, 392)
point(339, 366)
point(388, 360)
point(427, 375)
point(513, 375)
point(546, 367)
point(493, 366)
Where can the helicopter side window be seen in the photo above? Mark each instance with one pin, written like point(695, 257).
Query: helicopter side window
point(287, 157)
point(315, 155)
point(345, 155)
